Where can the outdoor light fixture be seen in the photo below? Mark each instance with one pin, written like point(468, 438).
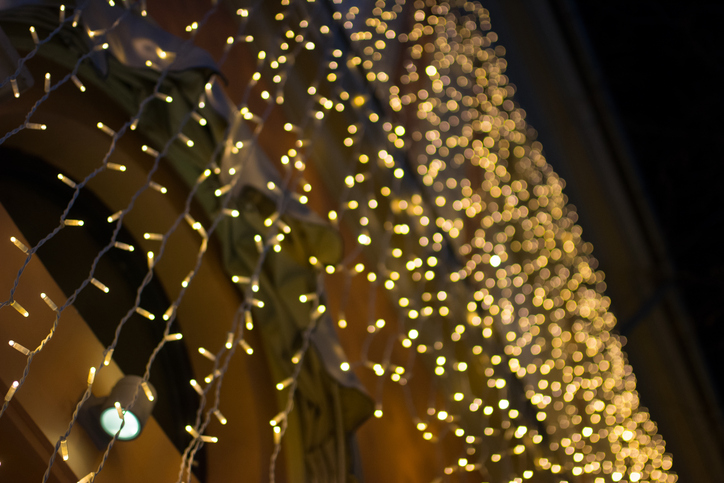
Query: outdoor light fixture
point(118, 413)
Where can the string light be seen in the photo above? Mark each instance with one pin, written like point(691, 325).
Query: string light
point(102, 287)
point(34, 35)
point(87, 478)
point(49, 302)
point(145, 313)
point(147, 391)
point(19, 244)
point(64, 449)
point(106, 129)
point(220, 417)
point(245, 345)
point(207, 354)
point(21, 310)
point(197, 388)
point(91, 376)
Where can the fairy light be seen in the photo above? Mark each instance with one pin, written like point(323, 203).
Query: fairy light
point(106, 129)
point(145, 313)
point(192, 431)
point(49, 302)
point(185, 139)
point(19, 244)
point(20, 348)
point(34, 35)
point(124, 246)
point(195, 225)
point(21, 310)
point(223, 190)
point(147, 391)
point(163, 97)
point(220, 417)
point(196, 387)
point(88, 478)
point(67, 180)
point(91, 376)
point(11, 391)
point(278, 419)
point(119, 410)
point(149, 150)
point(307, 297)
point(68, 222)
point(185, 282)
point(245, 345)
point(109, 356)
point(507, 217)
point(102, 287)
point(114, 216)
point(78, 83)
point(207, 354)
point(116, 167)
point(284, 384)
point(257, 303)
point(173, 337)
point(64, 449)
point(208, 379)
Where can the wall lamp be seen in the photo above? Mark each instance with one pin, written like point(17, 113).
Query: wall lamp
point(101, 417)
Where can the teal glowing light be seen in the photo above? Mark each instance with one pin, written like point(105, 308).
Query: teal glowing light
point(111, 423)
